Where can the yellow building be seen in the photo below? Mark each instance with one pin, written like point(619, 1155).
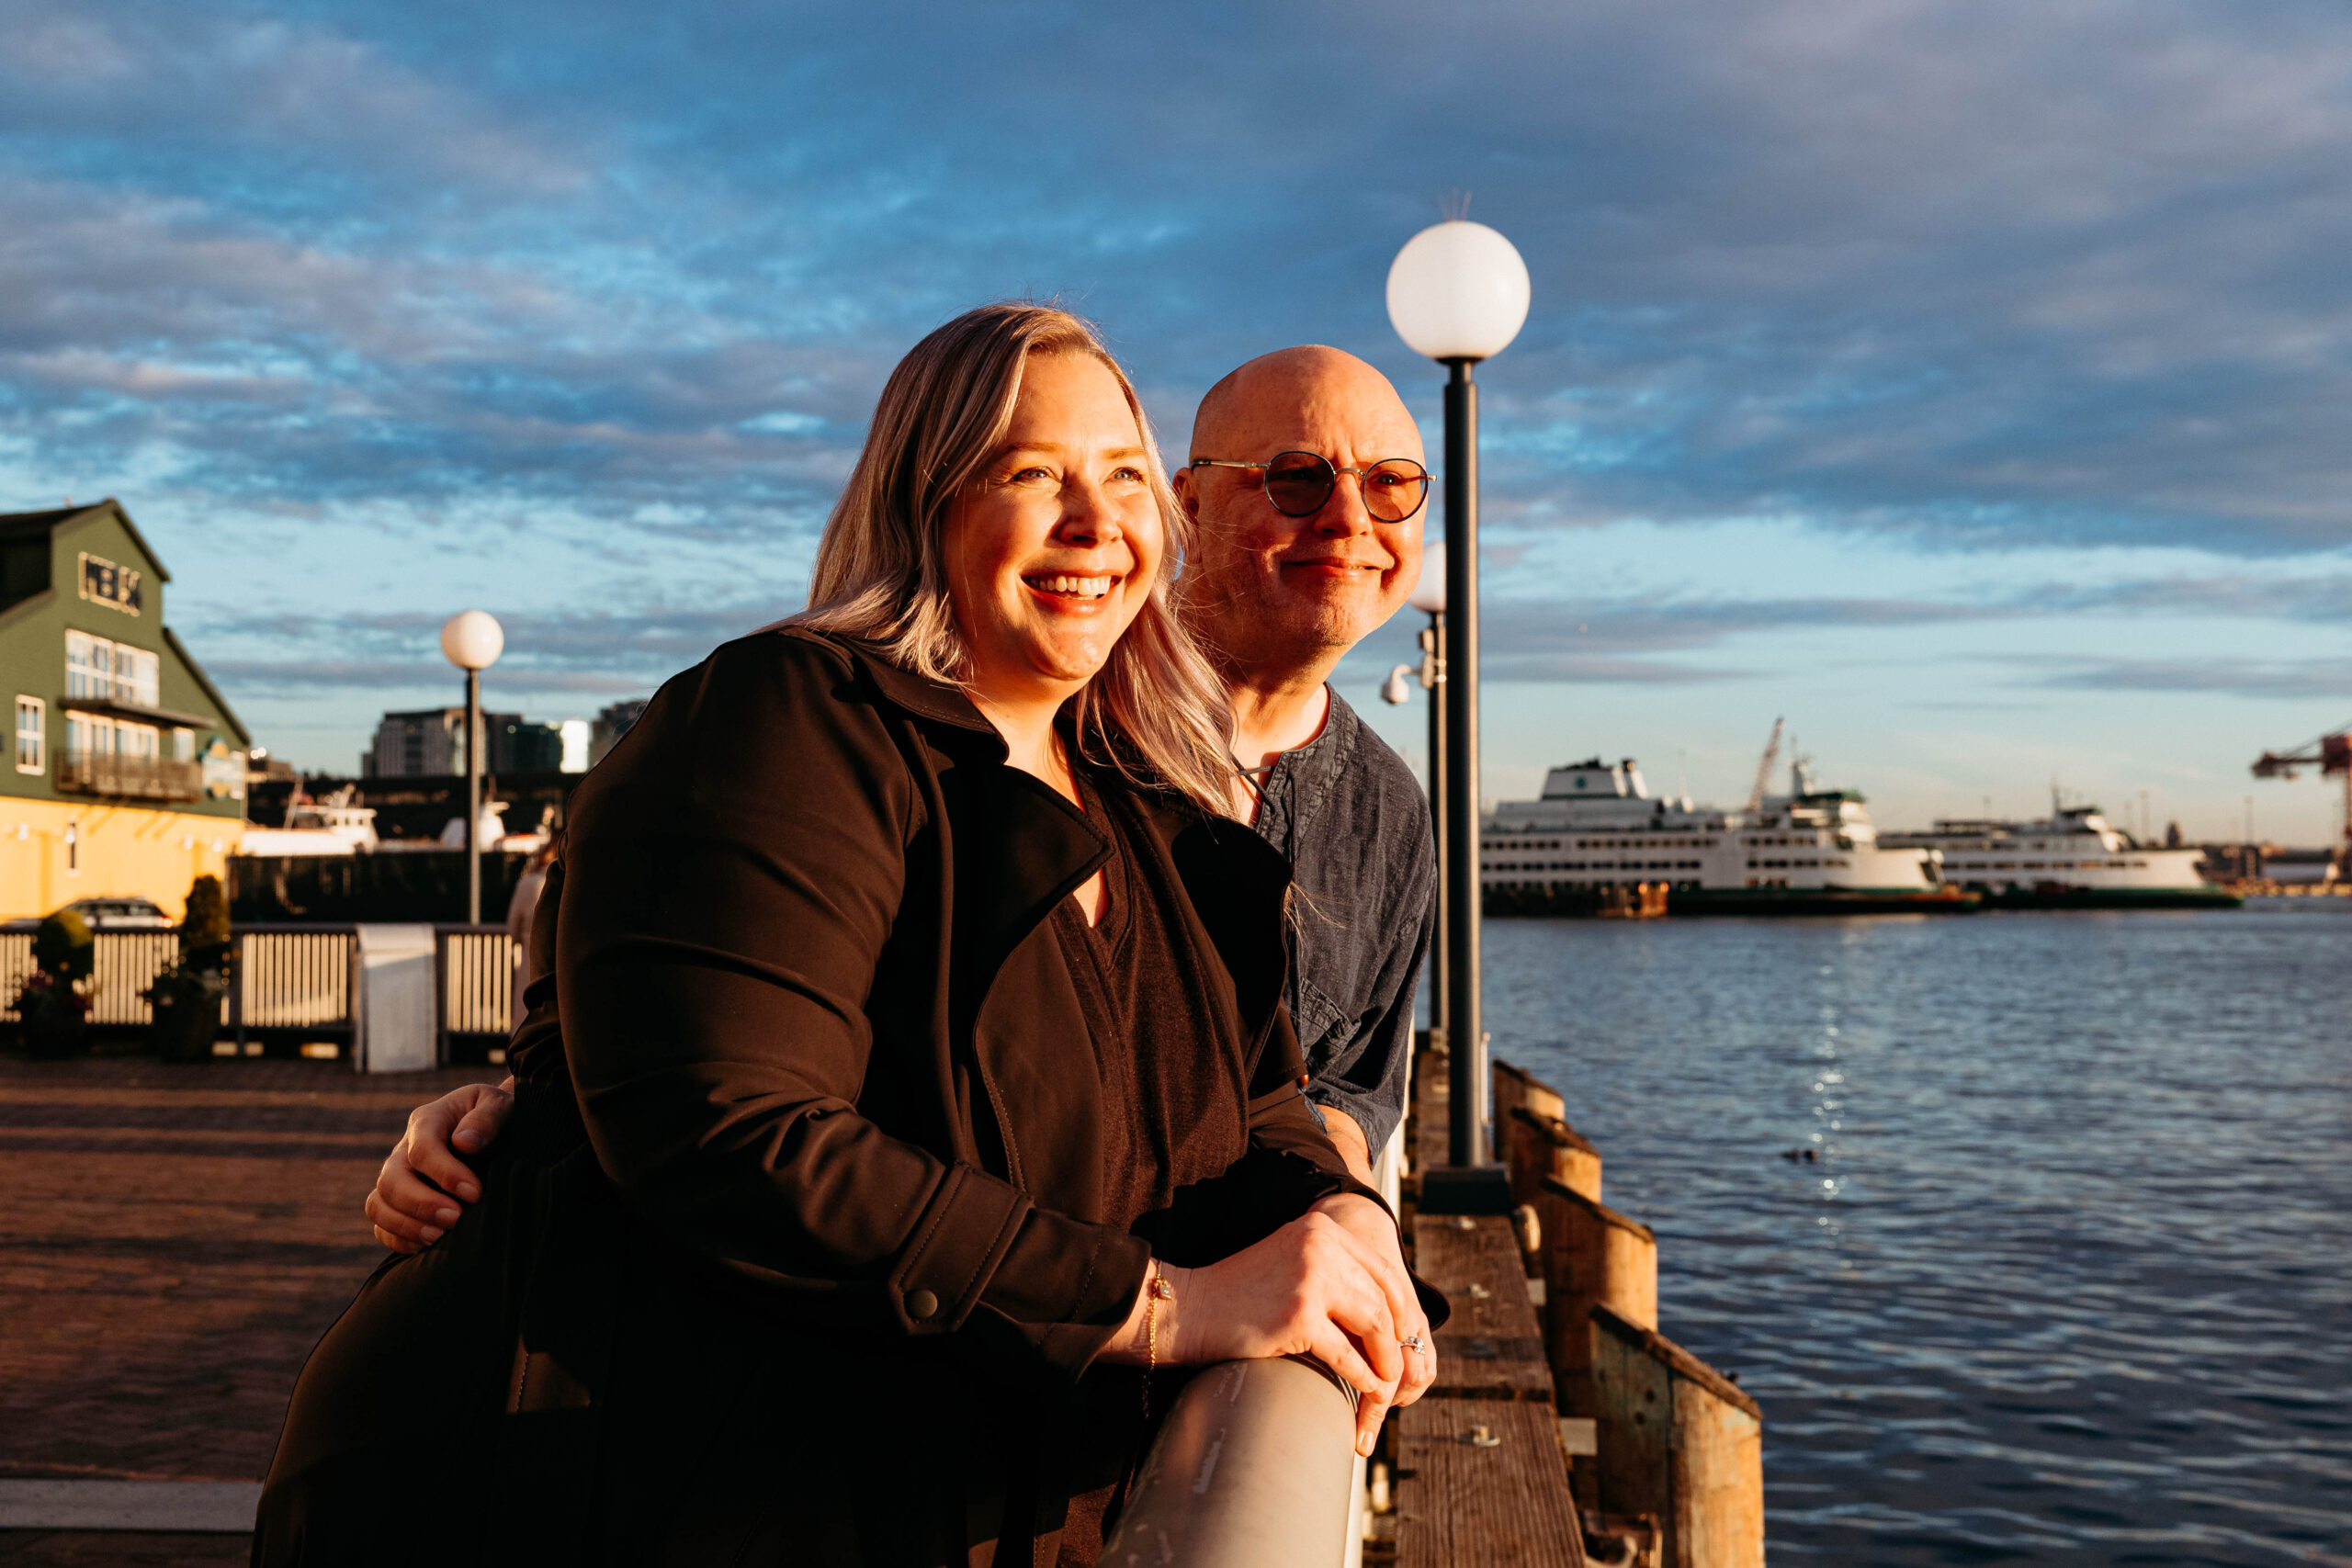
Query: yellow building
point(130, 769)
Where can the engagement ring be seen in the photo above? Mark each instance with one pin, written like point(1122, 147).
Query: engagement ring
point(1413, 1344)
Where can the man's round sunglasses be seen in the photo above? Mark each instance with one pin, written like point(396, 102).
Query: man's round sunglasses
point(1298, 483)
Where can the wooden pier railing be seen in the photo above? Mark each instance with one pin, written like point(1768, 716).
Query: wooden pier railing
point(1565, 1428)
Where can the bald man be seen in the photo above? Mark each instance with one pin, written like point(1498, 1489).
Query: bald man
point(1276, 591)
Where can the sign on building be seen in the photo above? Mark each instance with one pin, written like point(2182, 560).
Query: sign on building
point(104, 582)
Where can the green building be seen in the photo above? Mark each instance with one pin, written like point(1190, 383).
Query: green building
point(129, 775)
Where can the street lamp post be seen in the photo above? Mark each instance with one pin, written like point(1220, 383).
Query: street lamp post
point(472, 641)
point(1458, 293)
point(1428, 597)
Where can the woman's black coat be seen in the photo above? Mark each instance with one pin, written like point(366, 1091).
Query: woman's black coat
point(832, 1255)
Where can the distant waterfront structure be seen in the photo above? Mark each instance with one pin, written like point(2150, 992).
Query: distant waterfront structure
point(130, 769)
point(430, 743)
point(576, 733)
point(612, 723)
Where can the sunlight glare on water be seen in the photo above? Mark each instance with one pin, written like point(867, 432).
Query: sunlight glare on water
point(2070, 1281)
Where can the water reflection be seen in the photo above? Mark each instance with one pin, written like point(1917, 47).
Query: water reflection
point(2070, 1279)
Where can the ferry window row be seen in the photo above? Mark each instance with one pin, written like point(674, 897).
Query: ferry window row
point(1594, 865)
point(1495, 843)
point(2117, 864)
point(111, 671)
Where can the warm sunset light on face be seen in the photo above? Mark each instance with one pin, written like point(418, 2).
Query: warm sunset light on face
point(1055, 549)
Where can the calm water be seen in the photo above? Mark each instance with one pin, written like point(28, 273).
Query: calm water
point(2072, 1280)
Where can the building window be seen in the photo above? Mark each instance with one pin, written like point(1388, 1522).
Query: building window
point(88, 736)
point(143, 740)
point(182, 745)
point(32, 735)
point(89, 667)
point(136, 676)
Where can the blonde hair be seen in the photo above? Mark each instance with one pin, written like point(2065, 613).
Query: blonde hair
point(1156, 710)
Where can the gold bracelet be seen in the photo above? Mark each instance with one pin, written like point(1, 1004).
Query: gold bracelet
point(1155, 1293)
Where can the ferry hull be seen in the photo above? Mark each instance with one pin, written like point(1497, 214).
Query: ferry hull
point(1820, 901)
point(2112, 899)
point(1646, 901)
point(1585, 903)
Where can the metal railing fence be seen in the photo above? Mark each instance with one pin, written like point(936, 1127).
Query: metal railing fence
point(128, 774)
point(291, 980)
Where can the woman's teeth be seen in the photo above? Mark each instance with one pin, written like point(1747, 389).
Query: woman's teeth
point(1072, 587)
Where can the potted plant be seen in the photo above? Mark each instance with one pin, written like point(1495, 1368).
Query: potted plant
point(52, 1015)
point(187, 994)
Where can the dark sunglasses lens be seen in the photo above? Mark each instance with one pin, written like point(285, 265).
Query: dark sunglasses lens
point(1394, 491)
point(1298, 483)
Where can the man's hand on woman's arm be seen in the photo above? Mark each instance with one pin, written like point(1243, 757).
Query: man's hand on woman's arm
point(1349, 1139)
point(417, 1193)
point(1330, 1284)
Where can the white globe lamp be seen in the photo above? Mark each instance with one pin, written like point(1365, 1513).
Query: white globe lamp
point(472, 640)
point(1458, 290)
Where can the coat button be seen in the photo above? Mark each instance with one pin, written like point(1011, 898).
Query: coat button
point(921, 1304)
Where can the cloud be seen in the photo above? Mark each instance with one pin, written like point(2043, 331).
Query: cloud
point(1975, 275)
point(2328, 678)
point(576, 652)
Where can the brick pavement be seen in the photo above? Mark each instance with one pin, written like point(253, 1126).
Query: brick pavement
point(173, 1241)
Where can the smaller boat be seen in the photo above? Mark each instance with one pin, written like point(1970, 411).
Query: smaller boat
point(2073, 859)
point(330, 827)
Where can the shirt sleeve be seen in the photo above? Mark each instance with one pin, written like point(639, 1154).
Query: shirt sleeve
point(1364, 1079)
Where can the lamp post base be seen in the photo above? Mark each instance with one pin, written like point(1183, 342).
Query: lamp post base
point(1465, 1190)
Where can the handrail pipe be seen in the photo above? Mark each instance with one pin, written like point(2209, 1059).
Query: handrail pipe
point(1253, 1468)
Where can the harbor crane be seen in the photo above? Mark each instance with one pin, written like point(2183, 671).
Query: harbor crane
point(1764, 769)
point(2330, 753)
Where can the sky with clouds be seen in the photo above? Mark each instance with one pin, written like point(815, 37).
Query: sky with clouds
point(1967, 382)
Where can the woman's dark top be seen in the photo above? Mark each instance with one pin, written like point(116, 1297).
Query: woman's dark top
point(811, 1221)
point(1151, 1005)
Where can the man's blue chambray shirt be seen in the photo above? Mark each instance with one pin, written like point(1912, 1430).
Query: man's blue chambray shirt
point(1351, 820)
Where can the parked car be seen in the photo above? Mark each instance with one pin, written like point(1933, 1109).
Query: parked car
point(120, 914)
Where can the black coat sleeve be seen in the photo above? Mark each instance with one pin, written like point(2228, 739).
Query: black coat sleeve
point(733, 872)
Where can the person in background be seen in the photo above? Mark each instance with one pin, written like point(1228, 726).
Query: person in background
point(519, 910)
point(1307, 493)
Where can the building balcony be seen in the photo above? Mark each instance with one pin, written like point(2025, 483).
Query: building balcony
point(124, 777)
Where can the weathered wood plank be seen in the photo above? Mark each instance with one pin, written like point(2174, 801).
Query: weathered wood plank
point(1432, 1139)
point(1493, 1346)
point(1515, 1088)
point(1631, 1398)
point(1718, 1481)
point(1498, 1502)
point(1536, 1147)
point(1679, 1441)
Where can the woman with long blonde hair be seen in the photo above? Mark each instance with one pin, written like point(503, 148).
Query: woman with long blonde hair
point(909, 1098)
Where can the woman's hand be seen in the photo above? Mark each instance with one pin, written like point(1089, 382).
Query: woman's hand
point(1369, 1224)
point(416, 1194)
point(1330, 1284)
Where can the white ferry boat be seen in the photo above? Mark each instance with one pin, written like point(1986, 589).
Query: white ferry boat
point(1597, 827)
point(2074, 858)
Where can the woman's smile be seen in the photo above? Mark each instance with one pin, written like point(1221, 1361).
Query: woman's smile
point(1070, 589)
